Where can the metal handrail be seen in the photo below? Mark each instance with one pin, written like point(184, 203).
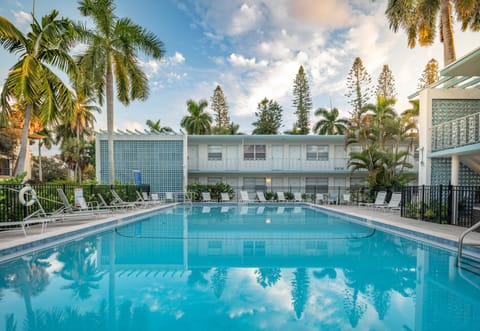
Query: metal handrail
point(460, 240)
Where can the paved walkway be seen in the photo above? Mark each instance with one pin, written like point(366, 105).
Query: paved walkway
point(13, 238)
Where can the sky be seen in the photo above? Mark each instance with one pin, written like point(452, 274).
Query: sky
point(253, 50)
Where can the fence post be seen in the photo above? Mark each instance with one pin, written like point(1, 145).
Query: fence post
point(422, 204)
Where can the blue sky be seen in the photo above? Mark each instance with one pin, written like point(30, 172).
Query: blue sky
point(253, 49)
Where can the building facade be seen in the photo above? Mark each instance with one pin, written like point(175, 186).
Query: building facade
point(449, 125)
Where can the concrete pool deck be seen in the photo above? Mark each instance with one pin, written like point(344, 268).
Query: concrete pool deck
point(12, 239)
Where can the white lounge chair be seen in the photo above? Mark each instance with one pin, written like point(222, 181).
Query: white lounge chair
point(261, 196)
point(117, 200)
point(244, 197)
point(379, 200)
point(225, 197)
point(206, 197)
point(319, 198)
point(83, 210)
point(297, 197)
point(394, 203)
point(332, 199)
point(169, 197)
point(281, 197)
point(346, 199)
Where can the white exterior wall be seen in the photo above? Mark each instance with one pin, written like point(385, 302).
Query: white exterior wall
point(425, 124)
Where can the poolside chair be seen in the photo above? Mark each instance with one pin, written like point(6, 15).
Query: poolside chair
point(225, 197)
point(83, 210)
point(379, 200)
point(206, 197)
point(117, 200)
point(244, 197)
point(104, 205)
point(169, 197)
point(332, 199)
point(297, 197)
point(346, 199)
point(281, 197)
point(261, 196)
point(394, 203)
point(145, 200)
point(319, 198)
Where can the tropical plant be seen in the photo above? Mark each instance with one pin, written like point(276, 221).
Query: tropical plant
point(330, 123)
point(198, 122)
point(31, 82)
point(429, 75)
point(269, 117)
point(358, 87)
point(47, 141)
point(220, 108)
point(157, 127)
point(112, 57)
point(419, 20)
point(302, 101)
point(386, 83)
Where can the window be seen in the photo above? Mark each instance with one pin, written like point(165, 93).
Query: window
point(254, 152)
point(317, 153)
point(214, 153)
point(253, 184)
point(316, 185)
point(214, 180)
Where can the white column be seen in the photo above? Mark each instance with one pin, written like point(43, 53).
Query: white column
point(454, 170)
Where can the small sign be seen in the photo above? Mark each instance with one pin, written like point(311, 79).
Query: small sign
point(78, 192)
point(137, 177)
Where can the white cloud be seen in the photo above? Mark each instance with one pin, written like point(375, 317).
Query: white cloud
point(245, 19)
point(241, 61)
point(22, 17)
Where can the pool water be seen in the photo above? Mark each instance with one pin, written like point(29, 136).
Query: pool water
point(239, 268)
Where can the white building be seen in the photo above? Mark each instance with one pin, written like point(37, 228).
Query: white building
point(449, 125)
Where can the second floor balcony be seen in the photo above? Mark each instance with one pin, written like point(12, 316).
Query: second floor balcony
point(456, 133)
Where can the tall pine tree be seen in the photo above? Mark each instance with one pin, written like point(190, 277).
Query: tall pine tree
point(358, 87)
point(302, 101)
point(269, 117)
point(220, 108)
point(386, 83)
point(429, 75)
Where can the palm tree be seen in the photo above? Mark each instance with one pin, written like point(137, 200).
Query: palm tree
point(112, 51)
point(157, 127)
point(330, 124)
point(46, 141)
point(31, 81)
point(198, 122)
point(419, 20)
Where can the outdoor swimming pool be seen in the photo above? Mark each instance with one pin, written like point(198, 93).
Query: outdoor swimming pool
point(239, 268)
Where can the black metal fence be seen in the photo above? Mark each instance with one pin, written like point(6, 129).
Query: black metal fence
point(11, 210)
point(444, 204)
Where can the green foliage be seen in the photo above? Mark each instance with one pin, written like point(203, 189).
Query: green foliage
point(302, 101)
point(17, 179)
point(386, 83)
point(329, 124)
point(220, 108)
point(53, 169)
point(429, 75)
point(358, 87)
point(198, 122)
point(195, 190)
point(157, 127)
point(269, 117)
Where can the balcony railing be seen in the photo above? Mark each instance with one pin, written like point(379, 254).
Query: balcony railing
point(458, 132)
point(270, 164)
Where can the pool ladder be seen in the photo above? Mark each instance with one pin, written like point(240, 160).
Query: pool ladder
point(460, 241)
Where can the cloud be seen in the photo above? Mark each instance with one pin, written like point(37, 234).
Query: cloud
point(154, 67)
point(22, 17)
point(241, 61)
point(325, 13)
point(245, 19)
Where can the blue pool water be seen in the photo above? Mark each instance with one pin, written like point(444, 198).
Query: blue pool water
point(245, 268)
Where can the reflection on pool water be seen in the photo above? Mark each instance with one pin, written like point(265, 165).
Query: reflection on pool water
point(245, 268)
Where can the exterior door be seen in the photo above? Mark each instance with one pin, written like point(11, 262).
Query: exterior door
point(277, 157)
point(232, 158)
point(294, 156)
point(193, 157)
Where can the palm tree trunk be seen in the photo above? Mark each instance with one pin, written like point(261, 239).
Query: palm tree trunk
point(446, 34)
point(40, 173)
point(22, 155)
point(111, 160)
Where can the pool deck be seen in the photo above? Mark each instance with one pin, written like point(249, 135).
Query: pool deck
point(12, 239)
